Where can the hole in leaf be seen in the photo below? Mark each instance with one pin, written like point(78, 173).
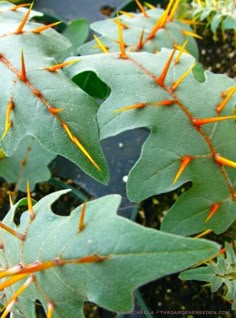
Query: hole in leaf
point(39, 310)
point(65, 204)
point(89, 82)
point(22, 206)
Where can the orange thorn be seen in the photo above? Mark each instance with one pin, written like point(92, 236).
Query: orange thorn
point(199, 122)
point(127, 14)
point(184, 163)
point(161, 79)
point(91, 259)
point(8, 123)
point(56, 67)
point(22, 75)
point(11, 281)
point(173, 10)
point(54, 110)
point(181, 51)
point(45, 27)
point(229, 93)
point(224, 161)
point(182, 77)
point(19, 292)
point(20, 6)
point(121, 40)
point(50, 310)
point(81, 220)
point(100, 44)
point(24, 20)
point(29, 201)
point(203, 233)
point(141, 8)
point(213, 210)
point(8, 309)
point(194, 35)
point(157, 26)
point(134, 106)
point(12, 232)
point(123, 25)
point(140, 42)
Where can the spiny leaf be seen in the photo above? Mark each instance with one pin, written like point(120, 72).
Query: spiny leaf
point(103, 261)
point(186, 119)
point(39, 100)
point(137, 34)
point(29, 162)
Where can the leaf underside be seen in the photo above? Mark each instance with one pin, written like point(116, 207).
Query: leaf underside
point(118, 256)
point(43, 102)
point(160, 92)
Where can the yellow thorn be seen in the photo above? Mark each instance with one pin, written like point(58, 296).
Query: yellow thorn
point(121, 40)
point(184, 163)
point(12, 232)
point(14, 297)
point(50, 310)
point(123, 25)
point(8, 309)
point(20, 6)
point(81, 220)
point(173, 10)
point(203, 233)
point(194, 35)
point(141, 8)
point(100, 44)
point(29, 201)
point(24, 20)
point(204, 121)
point(224, 161)
point(12, 280)
point(149, 6)
point(85, 152)
point(8, 123)
point(45, 27)
point(229, 93)
point(181, 51)
point(10, 200)
point(161, 79)
point(54, 68)
point(127, 14)
point(182, 77)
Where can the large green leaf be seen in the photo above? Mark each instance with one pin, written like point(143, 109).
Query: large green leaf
point(28, 163)
point(41, 102)
point(102, 261)
point(136, 26)
point(137, 81)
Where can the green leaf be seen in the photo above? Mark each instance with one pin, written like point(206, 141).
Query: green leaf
point(77, 32)
point(102, 262)
point(221, 272)
point(136, 100)
point(43, 103)
point(170, 35)
point(29, 162)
